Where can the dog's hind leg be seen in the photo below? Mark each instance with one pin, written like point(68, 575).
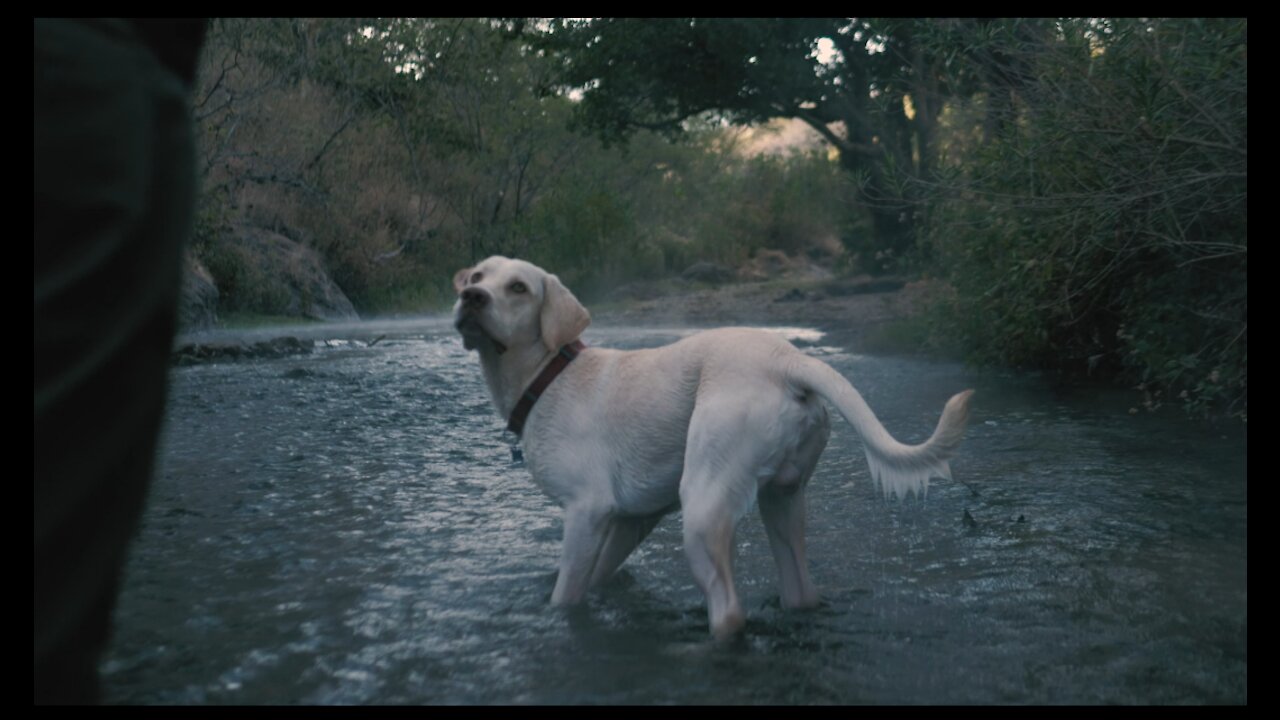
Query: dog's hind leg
point(782, 507)
point(622, 537)
point(716, 490)
point(782, 510)
point(708, 542)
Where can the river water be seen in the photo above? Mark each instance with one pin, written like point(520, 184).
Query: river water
point(347, 527)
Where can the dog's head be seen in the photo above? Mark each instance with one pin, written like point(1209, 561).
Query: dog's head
point(507, 303)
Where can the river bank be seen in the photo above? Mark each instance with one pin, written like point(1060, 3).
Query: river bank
point(861, 314)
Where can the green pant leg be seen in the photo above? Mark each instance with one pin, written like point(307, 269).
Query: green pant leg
point(114, 186)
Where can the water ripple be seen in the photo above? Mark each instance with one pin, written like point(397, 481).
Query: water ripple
point(354, 532)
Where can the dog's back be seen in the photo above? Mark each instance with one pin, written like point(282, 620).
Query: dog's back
point(713, 422)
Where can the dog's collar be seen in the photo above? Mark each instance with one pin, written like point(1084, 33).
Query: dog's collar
point(557, 365)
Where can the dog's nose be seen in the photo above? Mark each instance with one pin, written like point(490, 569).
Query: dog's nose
point(474, 298)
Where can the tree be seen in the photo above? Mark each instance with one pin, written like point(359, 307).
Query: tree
point(868, 86)
point(401, 149)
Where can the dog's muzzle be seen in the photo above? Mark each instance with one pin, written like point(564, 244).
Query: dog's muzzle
point(470, 303)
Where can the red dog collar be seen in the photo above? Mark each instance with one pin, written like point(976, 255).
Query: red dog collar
point(557, 365)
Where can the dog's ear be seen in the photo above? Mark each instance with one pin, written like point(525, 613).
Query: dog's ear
point(460, 279)
point(563, 317)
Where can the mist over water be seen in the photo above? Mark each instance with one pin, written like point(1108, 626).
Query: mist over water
point(347, 527)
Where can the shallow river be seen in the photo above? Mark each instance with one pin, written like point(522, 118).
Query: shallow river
point(347, 527)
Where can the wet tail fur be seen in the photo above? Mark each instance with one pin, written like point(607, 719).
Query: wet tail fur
point(898, 468)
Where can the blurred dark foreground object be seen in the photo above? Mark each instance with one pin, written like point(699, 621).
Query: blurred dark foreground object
point(114, 192)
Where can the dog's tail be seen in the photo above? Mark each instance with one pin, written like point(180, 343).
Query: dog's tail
point(898, 468)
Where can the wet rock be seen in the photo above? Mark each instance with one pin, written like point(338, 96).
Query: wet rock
point(196, 353)
point(280, 347)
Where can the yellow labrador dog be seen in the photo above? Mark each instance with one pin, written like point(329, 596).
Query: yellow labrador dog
point(709, 424)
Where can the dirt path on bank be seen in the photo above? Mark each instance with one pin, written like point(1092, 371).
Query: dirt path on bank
point(847, 310)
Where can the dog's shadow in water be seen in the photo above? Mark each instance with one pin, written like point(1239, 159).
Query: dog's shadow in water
point(625, 617)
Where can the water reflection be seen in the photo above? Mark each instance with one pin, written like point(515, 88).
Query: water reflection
point(346, 527)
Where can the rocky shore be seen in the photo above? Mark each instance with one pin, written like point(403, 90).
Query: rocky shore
point(848, 310)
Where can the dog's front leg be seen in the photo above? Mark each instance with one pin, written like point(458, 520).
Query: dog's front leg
point(585, 530)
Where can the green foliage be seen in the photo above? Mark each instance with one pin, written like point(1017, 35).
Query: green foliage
point(645, 74)
point(656, 73)
point(658, 208)
point(1105, 229)
point(403, 149)
point(1082, 183)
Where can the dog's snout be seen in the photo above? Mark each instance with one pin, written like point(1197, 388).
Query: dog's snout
point(474, 298)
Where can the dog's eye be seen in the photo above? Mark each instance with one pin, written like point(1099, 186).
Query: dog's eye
point(476, 277)
point(519, 288)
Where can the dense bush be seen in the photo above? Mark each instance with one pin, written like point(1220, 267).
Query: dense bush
point(1104, 230)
